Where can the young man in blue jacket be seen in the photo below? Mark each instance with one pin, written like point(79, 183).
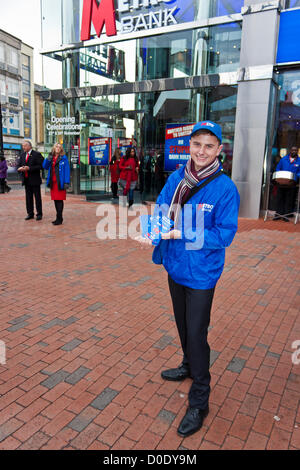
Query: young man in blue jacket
point(193, 254)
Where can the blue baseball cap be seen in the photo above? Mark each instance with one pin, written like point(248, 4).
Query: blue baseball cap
point(208, 126)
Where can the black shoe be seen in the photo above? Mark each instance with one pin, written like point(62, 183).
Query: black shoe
point(39, 217)
point(192, 421)
point(57, 222)
point(29, 217)
point(176, 375)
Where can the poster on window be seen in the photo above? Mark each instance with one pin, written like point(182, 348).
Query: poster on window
point(177, 145)
point(100, 151)
point(124, 144)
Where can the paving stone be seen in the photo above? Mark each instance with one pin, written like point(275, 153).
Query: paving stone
point(147, 296)
point(80, 423)
point(55, 379)
point(77, 375)
point(213, 357)
point(21, 319)
point(17, 327)
point(104, 398)
point(236, 364)
point(71, 345)
point(163, 342)
point(51, 323)
point(94, 307)
point(167, 416)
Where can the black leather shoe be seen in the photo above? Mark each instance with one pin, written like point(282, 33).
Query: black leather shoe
point(192, 421)
point(57, 222)
point(29, 217)
point(176, 375)
point(39, 217)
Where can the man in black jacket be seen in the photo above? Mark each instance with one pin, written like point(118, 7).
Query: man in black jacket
point(30, 166)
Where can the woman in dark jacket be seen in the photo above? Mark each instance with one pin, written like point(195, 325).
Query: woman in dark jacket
point(58, 179)
point(3, 175)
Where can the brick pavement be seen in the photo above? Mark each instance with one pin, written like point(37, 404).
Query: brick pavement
point(88, 326)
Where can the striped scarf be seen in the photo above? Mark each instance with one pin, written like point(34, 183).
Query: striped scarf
point(191, 179)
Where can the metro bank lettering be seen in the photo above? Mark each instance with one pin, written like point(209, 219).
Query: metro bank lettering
point(104, 13)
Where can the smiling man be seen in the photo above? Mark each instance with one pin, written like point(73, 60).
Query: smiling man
point(193, 271)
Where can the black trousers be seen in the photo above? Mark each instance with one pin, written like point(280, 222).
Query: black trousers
point(59, 206)
point(33, 192)
point(2, 185)
point(192, 315)
point(114, 189)
point(285, 201)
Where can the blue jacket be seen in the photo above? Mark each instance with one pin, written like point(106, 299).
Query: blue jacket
point(198, 262)
point(62, 170)
point(286, 165)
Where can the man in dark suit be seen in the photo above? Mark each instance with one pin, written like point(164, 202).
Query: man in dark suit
point(29, 167)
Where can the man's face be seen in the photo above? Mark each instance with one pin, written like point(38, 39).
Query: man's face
point(294, 151)
point(26, 147)
point(204, 149)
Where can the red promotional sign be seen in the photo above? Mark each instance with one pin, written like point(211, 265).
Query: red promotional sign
point(99, 15)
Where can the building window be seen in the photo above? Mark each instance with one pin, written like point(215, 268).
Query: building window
point(14, 123)
point(2, 56)
point(13, 91)
point(2, 89)
point(13, 59)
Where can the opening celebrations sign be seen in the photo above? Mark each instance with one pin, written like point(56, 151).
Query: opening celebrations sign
point(177, 145)
point(100, 150)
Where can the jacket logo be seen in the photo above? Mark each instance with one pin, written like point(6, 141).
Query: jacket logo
point(205, 207)
point(99, 15)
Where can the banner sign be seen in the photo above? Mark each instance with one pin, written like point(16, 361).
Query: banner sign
point(124, 144)
point(288, 48)
point(177, 145)
point(100, 150)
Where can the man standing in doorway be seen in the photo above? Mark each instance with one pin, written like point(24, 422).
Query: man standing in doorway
point(286, 195)
point(30, 166)
point(193, 255)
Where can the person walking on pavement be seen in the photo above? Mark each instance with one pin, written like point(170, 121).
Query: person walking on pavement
point(129, 169)
point(29, 166)
point(3, 175)
point(58, 179)
point(194, 264)
point(115, 172)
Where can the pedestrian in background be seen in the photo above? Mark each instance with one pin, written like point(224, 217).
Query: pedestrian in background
point(3, 175)
point(114, 168)
point(58, 179)
point(129, 171)
point(29, 166)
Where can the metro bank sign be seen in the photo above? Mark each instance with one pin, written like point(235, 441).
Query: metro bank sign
point(131, 18)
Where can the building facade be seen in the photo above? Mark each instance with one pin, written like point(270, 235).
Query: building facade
point(17, 96)
point(138, 69)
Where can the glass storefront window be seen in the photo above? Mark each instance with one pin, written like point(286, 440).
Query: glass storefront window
point(288, 114)
point(206, 50)
point(292, 4)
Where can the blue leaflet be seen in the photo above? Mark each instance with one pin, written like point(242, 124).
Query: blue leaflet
point(154, 226)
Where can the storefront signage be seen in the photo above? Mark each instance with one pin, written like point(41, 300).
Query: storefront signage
point(131, 18)
point(63, 125)
point(288, 47)
point(100, 151)
point(177, 145)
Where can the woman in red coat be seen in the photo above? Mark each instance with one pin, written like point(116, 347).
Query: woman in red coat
point(115, 172)
point(58, 179)
point(129, 166)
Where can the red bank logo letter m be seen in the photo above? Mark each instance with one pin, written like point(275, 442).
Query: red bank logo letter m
point(99, 14)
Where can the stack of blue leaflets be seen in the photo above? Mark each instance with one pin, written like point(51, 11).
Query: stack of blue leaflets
point(153, 226)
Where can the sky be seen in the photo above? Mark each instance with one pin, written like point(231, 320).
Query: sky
point(22, 19)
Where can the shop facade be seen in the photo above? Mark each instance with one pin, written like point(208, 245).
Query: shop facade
point(164, 64)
